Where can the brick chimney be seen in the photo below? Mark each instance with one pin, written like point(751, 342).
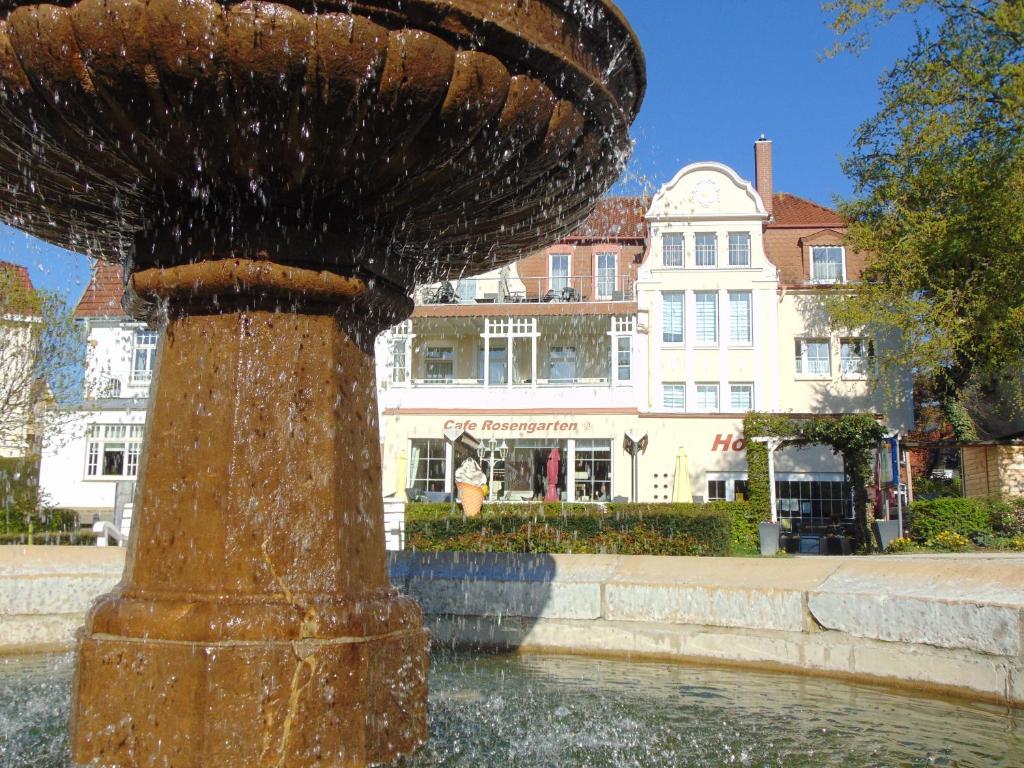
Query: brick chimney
point(763, 170)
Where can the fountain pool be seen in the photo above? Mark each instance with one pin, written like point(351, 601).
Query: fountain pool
point(532, 711)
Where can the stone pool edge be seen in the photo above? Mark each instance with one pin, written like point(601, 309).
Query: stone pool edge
point(943, 623)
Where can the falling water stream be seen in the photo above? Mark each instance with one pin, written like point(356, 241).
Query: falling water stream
point(568, 712)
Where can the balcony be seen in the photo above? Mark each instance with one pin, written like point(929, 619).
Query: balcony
point(508, 289)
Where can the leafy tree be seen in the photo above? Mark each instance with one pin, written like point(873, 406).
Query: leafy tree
point(939, 197)
point(41, 350)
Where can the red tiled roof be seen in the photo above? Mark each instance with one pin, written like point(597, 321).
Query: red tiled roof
point(21, 281)
point(615, 218)
point(102, 296)
point(792, 211)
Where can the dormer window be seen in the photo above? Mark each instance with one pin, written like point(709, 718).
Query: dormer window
point(707, 249)
point(739, 249)
point(672, 250)
point(828, 264)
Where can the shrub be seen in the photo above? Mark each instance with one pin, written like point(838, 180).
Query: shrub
point(1008, 516)
point(628, 529)
point(948, 541)
point(901, 544)
point(1016, 544)
point(967, 517)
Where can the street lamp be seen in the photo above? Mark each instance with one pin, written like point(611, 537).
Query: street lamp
point(489, 451)
point(634, 444)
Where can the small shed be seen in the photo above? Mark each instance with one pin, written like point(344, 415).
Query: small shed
point(993, 467)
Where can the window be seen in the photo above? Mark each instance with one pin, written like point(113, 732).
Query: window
point(399, 359)
point(707, 317)
point(674, 396)
point(707, 398)
point(113, 450)
point(624, 354)
point(827, 264)
point(562, 364)
point(717, 490)
point(741, 397)
point(813, 501)
point(466, 290)
point(440, 364)
point(707, 249)
point(427, 465)
point(741, 325)
point(855, 356)
point(143, 356)
point(593, 470)
point(813, 357)
point(672, 317)
point(498, 365)
point(739, 249)
point(605, 272)
point(672, 250)
point(559, 271)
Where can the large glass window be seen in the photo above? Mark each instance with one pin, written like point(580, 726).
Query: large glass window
point(739, 249)
point(707, 317)
point(605, 269)
point(673, 250)
point(813, 357)
point(674, 396)
point(672, 317)
point(498, 365)
point(466, 290)
point(624, 357)
point(741, 319)
point(707, 398)
point(559, 271)
point(562, 364)
point(593, 470)
point(741, 397)
point(112, 450)
point(707, 249)
point(813, 501)
point(854, 356)
point(427, 466)
point(440, 364)
point(143, 356)
point(827, 264)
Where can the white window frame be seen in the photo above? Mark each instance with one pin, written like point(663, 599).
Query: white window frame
point(102, 438)
point(622, 353)
point(598, 293)
point(676, 388)
point(842, 265)
point(746, 236)
point(400, 354)
point(705, 341)
point(703, 388)
point(562, 353)
point(747, 339)
point(697, 255)
point(803, 366)
point(428, 359)
point(729, 478)
point(738, 386)
point(682, 318)
point(432, 458)
point(855, 367)
point(552, 285)
point(144, 340)
point(680, 256)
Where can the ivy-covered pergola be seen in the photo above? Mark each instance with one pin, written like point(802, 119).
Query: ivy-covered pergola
point(855, 437)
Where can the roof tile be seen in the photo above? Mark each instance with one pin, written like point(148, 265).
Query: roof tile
point(102, 296)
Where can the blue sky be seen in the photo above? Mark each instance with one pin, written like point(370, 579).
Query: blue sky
point(719, 75)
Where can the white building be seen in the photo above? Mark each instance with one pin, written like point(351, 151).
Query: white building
point(669, 317)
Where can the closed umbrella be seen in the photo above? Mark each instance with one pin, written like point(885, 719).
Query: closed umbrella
point(681, 491)
point(553, 461)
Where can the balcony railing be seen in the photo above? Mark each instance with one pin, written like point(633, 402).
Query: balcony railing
point(508, 290)
point(468, 383)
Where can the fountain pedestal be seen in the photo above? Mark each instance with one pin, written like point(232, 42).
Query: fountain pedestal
point(255, 624)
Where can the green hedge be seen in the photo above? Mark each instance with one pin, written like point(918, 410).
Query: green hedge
point(967, 517)
point(718, 528)
point(50, 538)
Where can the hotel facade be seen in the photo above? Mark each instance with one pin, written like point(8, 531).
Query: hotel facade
point(668, 318)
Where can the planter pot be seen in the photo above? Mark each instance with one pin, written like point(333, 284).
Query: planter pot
point(769, 533)
point(887, 531)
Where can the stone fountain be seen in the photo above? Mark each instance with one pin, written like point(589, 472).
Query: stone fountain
point(275, 178)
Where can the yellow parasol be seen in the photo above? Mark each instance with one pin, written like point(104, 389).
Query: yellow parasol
point(681, 491)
